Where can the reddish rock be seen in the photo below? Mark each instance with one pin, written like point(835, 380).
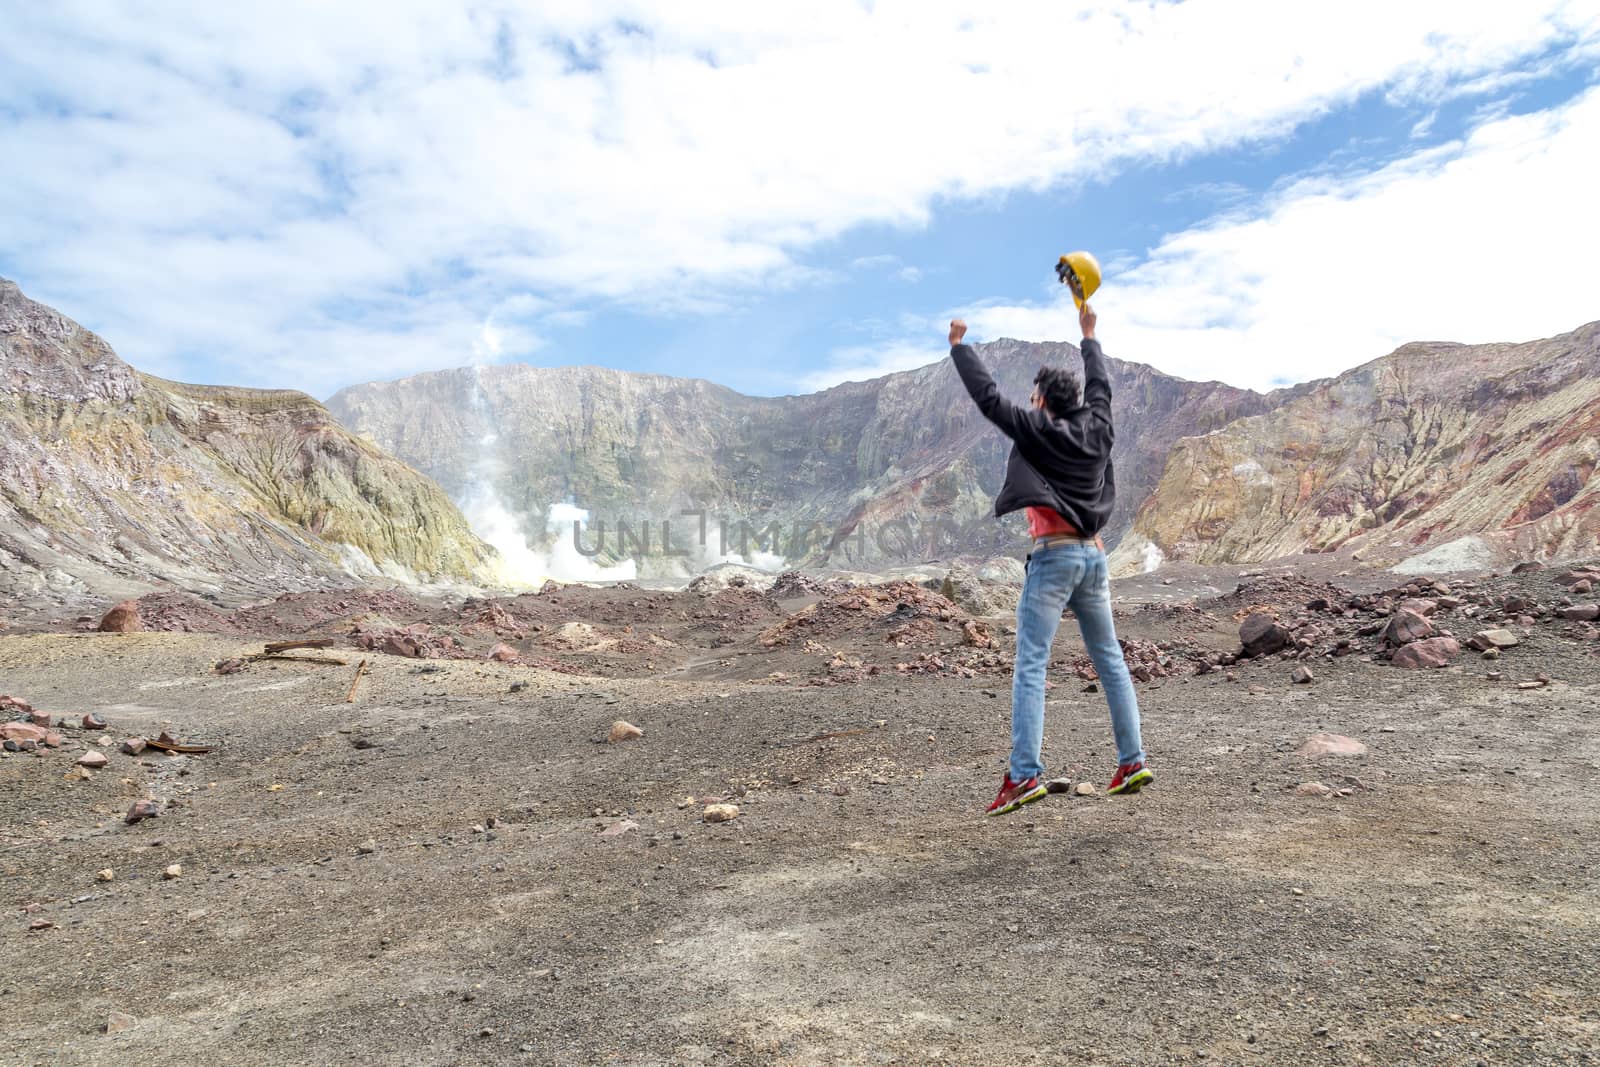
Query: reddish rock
point(52, 740)
point(93, 722)
point(1582, 587)
point(229, 666)
point(122, 619)
point(617, 829)
point(1421, 607)
point(1487, 639)
point(1302, 675)
point(93, 760)
point(22, 731)
point(1261, 635)
point(39, 718)
point(141, 810)
point(1434, 652)
point(503, 653)
point(1312, 789)
point(1581, 613)
point(133, 746)
point(1405, 627)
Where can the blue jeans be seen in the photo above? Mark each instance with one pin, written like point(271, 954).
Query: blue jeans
point(1060, 575)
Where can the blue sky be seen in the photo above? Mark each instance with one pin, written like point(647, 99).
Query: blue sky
point(779, 197)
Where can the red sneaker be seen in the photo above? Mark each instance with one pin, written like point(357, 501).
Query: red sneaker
point(1131, 777)
point(1015, 794)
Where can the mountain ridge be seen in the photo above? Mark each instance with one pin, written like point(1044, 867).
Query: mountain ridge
point(112, 480)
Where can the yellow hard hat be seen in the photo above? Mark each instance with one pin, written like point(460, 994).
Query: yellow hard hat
point(1080, 272)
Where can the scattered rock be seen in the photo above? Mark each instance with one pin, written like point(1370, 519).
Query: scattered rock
point(93, 722)
point(1058, 785)
point(40, 924)
point(1434, 652)
point(1319, 745)
point(1302, 675)
point(1487, 639)
point(1528, 567)
point(1581, 613)
point(172, 872)
point(1261, 635)
point(504, 653)
point(122, 619)
point(22, 731)
point(617, 829)
point(133, 746)
point(118, 1022)
point(1582, 587)
point(623, 731)
point(1312, 789)
point(105, 874)
point(1083, 789)
point(229, 666)
point(367, 848)
point(1405, 627)
point(720, 812)
point(93, 760)
point(141, 810)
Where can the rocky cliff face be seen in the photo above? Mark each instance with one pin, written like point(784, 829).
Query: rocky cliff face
point(1436, 456)
point(901, 468)
point(114, 481)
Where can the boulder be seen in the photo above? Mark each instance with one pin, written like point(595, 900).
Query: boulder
point(720, 812)
point(1434, 652)
point(1319, 745)
point(122, 619)
point(1581, 613)
point(1261, 635)
point(1405, 627)
point(1487, 639)
point(623, 731)
point(141, 810)
point(22, 731)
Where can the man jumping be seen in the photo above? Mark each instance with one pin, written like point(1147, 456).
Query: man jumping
point(1060, 471)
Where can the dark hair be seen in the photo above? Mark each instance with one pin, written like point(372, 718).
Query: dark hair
point(1059, 387)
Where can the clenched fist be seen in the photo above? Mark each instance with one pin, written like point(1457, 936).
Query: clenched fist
point(958, 330)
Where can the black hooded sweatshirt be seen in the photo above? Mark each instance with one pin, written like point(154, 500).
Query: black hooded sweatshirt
point(1062, 461)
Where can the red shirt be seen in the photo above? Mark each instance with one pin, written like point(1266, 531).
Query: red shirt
point(1045, 522)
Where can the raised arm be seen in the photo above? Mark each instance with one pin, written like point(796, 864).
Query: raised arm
point(1096, 381)
point(981, 387)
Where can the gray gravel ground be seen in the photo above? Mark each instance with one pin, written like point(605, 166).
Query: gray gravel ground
point(859, 909)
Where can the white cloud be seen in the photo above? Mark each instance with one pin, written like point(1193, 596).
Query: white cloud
point(1488, 239)
point(321, 193)
point(860, 363)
